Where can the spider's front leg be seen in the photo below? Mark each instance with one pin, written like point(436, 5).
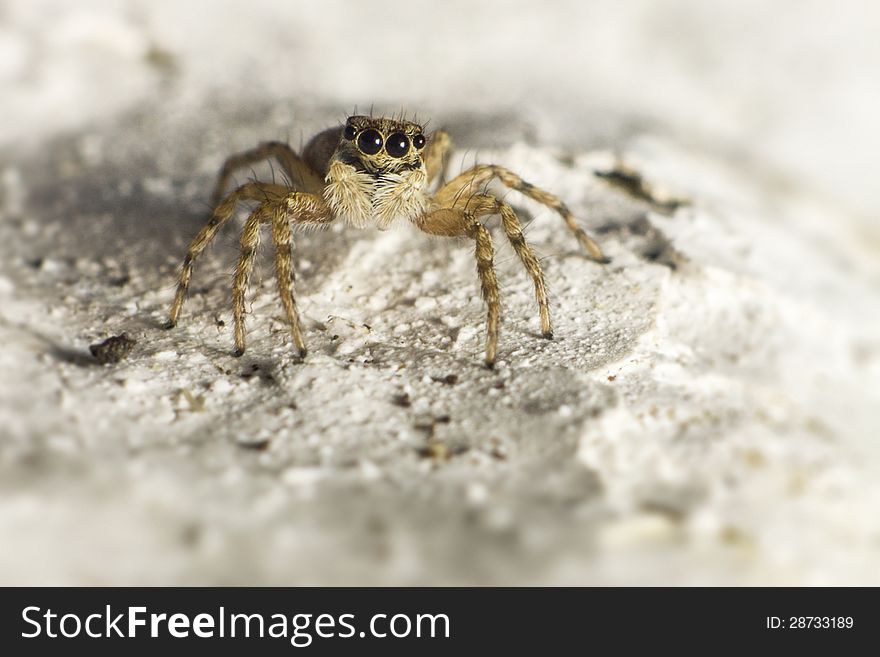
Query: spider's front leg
point(279, 206)
point(222, 213)
point(299, 208)
point(456, 222)
point(486, 204)
point(470, 182)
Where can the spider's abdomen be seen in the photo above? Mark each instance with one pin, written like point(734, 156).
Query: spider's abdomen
point(318, 153)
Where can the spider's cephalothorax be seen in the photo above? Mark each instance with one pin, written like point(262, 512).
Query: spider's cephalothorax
point(377, 173)
point(372, 170)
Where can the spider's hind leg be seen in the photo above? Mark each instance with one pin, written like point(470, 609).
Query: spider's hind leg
point(299, 174)
point(436, 155)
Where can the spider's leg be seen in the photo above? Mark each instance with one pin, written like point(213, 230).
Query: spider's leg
point(454, 222)
point(471, 180)
point(250, 240)
point(222, 213)
point(436, 155)
point(299, 173)
point(489, 288)
point(281, 236)
point(513, 230)
point(488, 204)
point(303, 209)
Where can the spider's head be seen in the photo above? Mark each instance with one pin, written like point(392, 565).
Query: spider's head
point(381, 145)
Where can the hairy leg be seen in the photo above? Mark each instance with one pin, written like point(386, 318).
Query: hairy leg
point(284, 273)
point(436, 155)
point(453, 222)
point(470, 182)
point(298, 172)
point(513, 229)
point(302, 209)
point(250, 240)
point(222, 214)
point(489, 205)
point(297, 208)
point(489, 288)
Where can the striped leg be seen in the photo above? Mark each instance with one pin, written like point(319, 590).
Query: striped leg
point(455, 222)
point(473, 179)
point(299, 173)
point(513, 229)
point(250, 240)
point(488, 287)
point(485, 204)
point(281, 235)
point(222, 214)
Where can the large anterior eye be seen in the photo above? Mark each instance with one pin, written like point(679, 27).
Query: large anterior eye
point(397, 145)
point(350, 132)
point(370, 142)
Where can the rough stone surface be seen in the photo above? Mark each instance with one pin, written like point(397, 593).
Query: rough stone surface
point(708, 413)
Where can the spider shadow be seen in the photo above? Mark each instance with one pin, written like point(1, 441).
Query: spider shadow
point(71, 355)
point(61, 352)
point(137, 189)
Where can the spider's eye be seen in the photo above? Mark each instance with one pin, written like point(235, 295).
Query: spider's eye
point(370, 142)
point(397, 145)
point(350, 132)
point(419, 141)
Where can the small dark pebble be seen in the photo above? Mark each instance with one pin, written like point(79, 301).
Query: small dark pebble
point(498, 454)
point(113, 349)
point(257, 445)
point(403, 400)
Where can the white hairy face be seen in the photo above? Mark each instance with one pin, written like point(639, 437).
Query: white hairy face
point(376, 174)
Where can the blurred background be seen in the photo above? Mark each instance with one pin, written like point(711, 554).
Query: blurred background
point(792, 84)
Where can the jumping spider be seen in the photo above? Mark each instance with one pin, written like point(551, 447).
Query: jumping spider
point(371, 170)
